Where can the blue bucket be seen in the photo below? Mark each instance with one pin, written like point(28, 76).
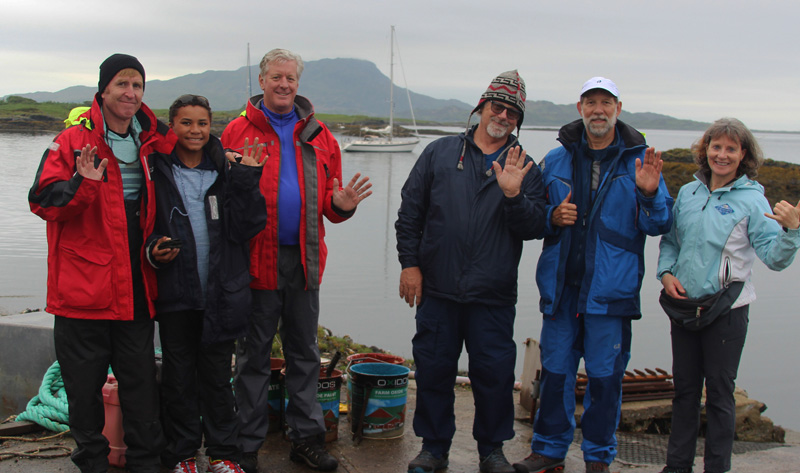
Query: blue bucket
point(379, 392)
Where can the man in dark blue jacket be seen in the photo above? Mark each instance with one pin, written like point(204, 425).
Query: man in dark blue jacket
point(467, 206)
point(605, 193)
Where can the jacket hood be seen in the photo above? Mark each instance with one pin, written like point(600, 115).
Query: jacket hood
point(302, 105)
point(213, 149)
point(144, 116)
point(741, 183)
point(92, 119)
point(303, 108)
point(572, 133)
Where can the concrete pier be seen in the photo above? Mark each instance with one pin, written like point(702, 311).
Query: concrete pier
point(26, 352)
point(641, 454)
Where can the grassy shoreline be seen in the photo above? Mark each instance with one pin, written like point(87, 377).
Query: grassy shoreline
point(781, 180)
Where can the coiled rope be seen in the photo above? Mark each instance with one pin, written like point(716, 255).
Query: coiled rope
point(49, 408)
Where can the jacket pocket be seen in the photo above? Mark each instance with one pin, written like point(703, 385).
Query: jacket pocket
point(619, 207)
point(234, 308)
point(237, 283)
point(616, 274)
point(85, 278)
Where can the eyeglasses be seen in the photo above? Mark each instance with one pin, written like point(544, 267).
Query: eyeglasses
point(191, 99)
point(511, 113)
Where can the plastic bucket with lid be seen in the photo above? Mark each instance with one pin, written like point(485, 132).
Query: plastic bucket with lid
point(378, 394)
point(359, 358)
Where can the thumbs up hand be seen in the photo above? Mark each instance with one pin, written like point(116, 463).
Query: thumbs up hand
point(565, 214)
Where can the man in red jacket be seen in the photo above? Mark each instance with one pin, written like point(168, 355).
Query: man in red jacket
point(301, 184)
point(93, 188)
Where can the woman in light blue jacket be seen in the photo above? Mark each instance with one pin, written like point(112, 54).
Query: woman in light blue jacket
point(721, 223)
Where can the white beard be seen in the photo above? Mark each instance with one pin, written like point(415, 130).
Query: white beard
point(601, 130)
point(497, 130)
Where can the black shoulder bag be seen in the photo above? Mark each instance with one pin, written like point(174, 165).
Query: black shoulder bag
point(695, 314)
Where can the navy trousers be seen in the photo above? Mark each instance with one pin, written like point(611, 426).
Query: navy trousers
point(196, 392)
point(443, 328)
point(711, 354)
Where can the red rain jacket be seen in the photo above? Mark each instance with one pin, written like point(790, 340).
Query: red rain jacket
point(88, 259)
point(319, 160)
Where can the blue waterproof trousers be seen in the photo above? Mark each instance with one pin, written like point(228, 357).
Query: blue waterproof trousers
point(604, 342)
point(443, 328)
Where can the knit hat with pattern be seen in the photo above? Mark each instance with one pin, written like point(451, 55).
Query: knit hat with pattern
point(508, 88)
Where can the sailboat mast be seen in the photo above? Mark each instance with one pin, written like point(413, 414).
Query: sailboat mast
point(391, 85)
point(249, 75)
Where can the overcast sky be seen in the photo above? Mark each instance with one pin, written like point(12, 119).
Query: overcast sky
point(698, 60)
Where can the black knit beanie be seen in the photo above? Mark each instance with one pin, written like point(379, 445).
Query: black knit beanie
point(115, 63)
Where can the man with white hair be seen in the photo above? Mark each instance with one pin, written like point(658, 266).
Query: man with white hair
point(605, 193)
point(301, 184)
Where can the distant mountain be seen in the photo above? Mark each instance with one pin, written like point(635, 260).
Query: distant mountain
point(347, 87)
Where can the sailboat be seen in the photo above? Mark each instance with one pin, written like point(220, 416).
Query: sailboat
point(386, 143)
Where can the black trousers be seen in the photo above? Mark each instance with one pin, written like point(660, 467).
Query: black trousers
point(711, 355)
point(196, 392)
point(85, 349)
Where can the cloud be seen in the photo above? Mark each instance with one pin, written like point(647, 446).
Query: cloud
point(681, 58)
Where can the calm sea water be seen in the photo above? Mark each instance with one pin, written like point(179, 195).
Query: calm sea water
point(360, 288)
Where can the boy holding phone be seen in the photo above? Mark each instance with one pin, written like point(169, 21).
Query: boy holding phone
point(208, 205)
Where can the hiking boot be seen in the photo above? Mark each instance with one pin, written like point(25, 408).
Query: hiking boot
point(249, 462)
point(425, 462)
point(536, 463)
point(592, 467)
point(223, 466)
point(186, 466)
point(672, 469)
point(313, 453)
point(495, 462)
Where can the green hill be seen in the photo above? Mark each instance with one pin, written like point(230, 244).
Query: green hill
point(347, 86)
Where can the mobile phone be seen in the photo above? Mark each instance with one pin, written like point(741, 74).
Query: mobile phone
point(174, 243)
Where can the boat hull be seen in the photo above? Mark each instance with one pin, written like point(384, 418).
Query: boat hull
point(380, 146)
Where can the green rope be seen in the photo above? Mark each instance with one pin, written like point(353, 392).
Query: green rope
point(49, 408)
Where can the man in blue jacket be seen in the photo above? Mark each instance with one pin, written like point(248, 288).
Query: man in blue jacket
point(467, 206)
point(605, 193)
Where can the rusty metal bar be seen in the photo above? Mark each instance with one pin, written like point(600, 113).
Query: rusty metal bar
point(644, 384)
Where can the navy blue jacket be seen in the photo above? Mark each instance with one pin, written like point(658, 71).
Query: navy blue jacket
point(235, 212)
point(460, 229)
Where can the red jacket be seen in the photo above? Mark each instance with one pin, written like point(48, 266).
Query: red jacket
point(319, 160)
point(88, 259)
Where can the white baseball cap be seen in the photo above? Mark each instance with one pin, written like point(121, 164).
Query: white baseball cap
point(600, 83)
